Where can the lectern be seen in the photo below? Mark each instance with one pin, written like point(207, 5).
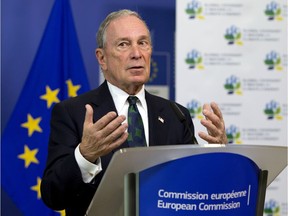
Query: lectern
point(188, 180)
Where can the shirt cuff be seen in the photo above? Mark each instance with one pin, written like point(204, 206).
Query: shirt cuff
point(88, 170)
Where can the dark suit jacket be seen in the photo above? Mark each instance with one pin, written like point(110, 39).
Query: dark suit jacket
point(62, 186)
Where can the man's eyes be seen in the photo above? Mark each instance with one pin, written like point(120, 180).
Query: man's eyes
point(141, 43)
point(123, 44)
point(144, 43)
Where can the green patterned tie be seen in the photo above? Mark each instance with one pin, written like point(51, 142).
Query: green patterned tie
point(135, 124)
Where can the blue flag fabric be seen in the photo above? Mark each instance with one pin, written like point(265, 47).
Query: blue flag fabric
point(57, 73)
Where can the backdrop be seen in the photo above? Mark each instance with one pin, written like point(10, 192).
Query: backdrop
point(236, 55)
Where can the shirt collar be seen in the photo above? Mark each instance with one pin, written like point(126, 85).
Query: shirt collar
point(120, 97)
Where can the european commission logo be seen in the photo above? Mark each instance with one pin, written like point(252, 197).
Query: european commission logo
point(271, 208)
point(233, 134)
point(233, 36)
point(233, 85)
point(273, 61)
point(194, 60)
point(195, 109)
point(273, 110)
point(194, 10)
point(273, 11)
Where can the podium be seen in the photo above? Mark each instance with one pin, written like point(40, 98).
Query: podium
point(122, 177)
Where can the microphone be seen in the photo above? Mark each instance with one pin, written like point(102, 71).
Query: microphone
point(183, 120)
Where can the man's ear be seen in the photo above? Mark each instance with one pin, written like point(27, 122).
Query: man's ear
point(100, 55)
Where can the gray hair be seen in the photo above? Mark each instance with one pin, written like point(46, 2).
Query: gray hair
point(101, 34)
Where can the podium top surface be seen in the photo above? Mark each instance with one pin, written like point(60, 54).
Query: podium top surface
point(134, 160)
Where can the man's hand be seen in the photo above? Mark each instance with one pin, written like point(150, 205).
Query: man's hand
point(103, 136)
point(214, 124)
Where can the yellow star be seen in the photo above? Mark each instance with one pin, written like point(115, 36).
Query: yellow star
point(50, 96)
point(37, 188)
point(72, 89)
point(29, 156)
point(62, 213)
point(32, 125)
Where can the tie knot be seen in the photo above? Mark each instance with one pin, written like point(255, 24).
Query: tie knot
point(132, 100)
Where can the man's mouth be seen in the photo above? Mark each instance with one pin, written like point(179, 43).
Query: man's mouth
point(136, 67)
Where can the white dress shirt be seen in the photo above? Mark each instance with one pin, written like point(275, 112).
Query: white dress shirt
point(90, 170)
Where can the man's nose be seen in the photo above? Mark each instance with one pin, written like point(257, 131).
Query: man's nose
point(135, 52)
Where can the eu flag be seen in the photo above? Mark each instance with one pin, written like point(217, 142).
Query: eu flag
point(57, 73)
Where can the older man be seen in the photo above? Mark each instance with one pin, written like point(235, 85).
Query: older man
point(88, 129)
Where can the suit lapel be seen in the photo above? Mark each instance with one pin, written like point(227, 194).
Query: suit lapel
point(102, 101)
point(157, 120)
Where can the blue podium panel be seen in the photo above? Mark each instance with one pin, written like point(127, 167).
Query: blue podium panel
point(218, 184)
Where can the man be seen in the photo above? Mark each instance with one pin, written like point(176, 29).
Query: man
point(88, 129)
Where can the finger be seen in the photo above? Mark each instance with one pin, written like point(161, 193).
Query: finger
point(119, 141)
point(214, 118)
point(210, 127)
point(217, 117)
point(208, 112)
point(88, 115)
point(210, 119)
point(216, 110)
point(112, 126)
point(206, 109)
point(207, 138)
point(112, 143)
point(221, 139)
point(105, 120)
point(111, 134)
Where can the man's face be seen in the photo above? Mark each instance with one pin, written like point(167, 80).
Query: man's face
point(125, 58)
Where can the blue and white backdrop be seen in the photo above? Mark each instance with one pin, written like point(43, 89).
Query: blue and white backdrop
point(235, 53)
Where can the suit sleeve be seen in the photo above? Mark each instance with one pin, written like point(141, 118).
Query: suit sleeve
point(62, 185)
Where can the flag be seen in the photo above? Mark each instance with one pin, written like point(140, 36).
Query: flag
point(57, 73)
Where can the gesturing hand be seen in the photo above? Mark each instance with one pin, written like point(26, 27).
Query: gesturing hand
point(103, 136)
point(214, 124)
